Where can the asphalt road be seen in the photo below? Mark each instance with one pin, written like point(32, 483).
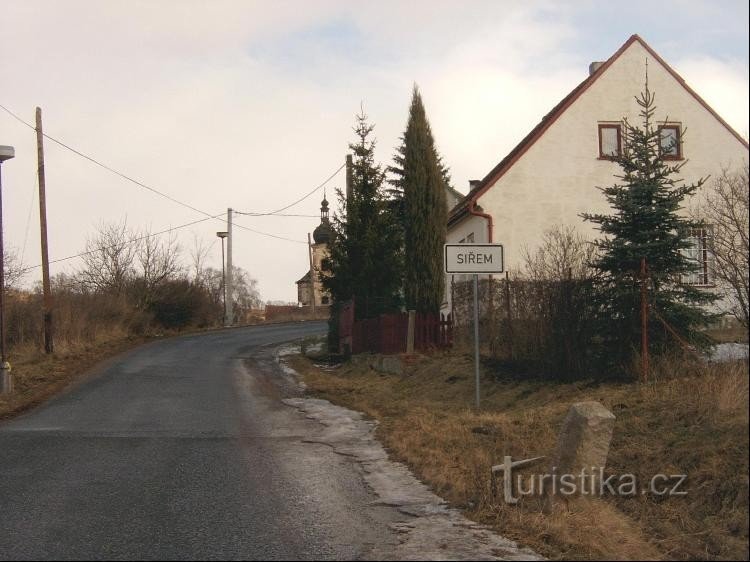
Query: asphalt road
point(179, 449)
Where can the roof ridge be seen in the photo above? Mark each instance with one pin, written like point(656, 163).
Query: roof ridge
point(549, 118)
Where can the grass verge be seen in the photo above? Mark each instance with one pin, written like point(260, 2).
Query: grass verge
point(693, 419)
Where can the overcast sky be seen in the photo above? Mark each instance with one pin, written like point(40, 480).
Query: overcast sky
point(251, 104)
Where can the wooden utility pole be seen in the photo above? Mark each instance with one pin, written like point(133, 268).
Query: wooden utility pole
point(49, 345)
point(312, 275)
point(644, 323)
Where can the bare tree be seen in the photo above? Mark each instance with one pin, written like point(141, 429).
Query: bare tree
point(563, 253)
point(723, 207)
point(245, 295)
point(559, 301)
point(14, 269)
point(109, 259)
point(159, 260)
point(213, 283)
point(198, 257)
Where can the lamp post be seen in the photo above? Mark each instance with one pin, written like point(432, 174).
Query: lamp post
point(6, 379)
point(223, 235)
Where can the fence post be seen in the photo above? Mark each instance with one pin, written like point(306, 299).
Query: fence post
point(450, 328)
point(410, 332)
point(507, 315)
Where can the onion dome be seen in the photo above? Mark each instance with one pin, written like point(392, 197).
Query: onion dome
point(323, 233)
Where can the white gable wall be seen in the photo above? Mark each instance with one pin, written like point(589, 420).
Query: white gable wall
point(556, 179)
point(458, 232)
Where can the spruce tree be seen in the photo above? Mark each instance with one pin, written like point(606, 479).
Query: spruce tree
point(646, 223)
point(365, 254)
point(418, 185)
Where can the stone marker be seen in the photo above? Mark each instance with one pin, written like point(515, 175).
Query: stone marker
point(583, 445)
point(6, 379)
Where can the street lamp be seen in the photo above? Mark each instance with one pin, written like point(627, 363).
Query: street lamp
point(223, 235)
point(6, 379)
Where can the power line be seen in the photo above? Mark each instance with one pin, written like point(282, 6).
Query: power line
point(274, 215)
point(243, 227)
point(108, 168)
point(333, 175)
point(35, 187)
point(169, 197)
point(126, 243)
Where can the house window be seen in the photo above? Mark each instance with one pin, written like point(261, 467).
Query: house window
point(610, 141)
point(699, 253)
point(670, 142)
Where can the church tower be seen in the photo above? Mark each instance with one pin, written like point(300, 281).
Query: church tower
point(307, 288)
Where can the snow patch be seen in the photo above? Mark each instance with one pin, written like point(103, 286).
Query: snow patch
point(434, 531)
point(729, 352)
point(289, 373)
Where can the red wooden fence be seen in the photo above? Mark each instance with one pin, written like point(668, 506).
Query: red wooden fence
point(388, 333)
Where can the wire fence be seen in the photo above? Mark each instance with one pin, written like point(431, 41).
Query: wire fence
point(544, 325)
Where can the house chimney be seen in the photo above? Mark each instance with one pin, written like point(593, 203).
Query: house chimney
point(594, 66)
point(473, 184)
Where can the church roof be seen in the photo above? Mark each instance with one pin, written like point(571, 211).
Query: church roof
point(323, 233)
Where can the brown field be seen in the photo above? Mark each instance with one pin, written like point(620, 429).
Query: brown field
point(691, 419)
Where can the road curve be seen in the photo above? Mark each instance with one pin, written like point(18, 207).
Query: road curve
point(176, 450)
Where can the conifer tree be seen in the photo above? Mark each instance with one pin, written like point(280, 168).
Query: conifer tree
point(365, 254)
point(647, 223)
point(418, 185)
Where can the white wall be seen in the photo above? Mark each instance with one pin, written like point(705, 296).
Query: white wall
point(469, 225)
point(556, 179)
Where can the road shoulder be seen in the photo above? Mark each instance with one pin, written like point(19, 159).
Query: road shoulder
point(428, 528)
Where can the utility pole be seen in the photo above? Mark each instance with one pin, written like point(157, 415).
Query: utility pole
point(228, 286)
point(49, 345)
point(312, 275)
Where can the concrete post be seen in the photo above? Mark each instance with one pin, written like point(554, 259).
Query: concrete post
point(230, 310)
point(6, 379)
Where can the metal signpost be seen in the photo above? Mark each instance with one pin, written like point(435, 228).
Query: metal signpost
point(474, 259)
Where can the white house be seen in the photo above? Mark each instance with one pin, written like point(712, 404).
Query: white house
point(551, 176)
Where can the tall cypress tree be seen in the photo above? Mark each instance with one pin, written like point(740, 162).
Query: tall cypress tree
point(646, 223)
point(418, 185)
point(365, 253)
point(395, 189)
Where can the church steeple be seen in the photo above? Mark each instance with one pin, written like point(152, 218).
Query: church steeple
point(322, 234)
point(324, 208)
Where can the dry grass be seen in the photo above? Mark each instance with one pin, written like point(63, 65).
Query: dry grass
point(695, 424)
